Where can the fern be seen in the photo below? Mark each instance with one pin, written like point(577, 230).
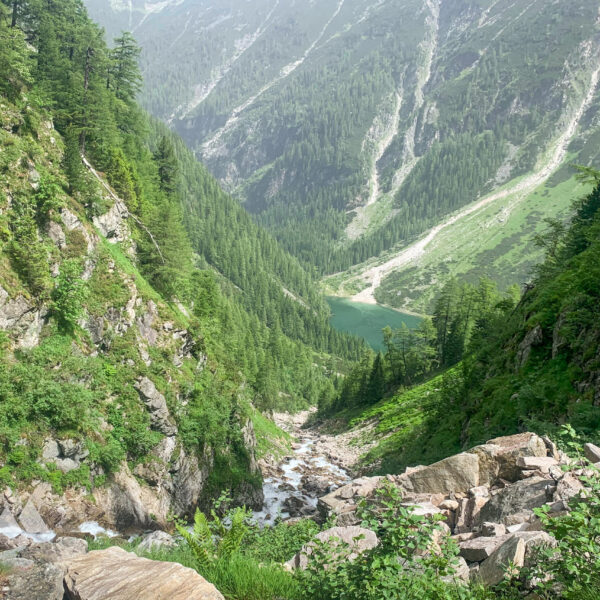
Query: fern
point(200, 541)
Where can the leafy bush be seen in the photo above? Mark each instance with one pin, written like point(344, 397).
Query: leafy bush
point(412, 556)
point(69, 294)
point(573, 566)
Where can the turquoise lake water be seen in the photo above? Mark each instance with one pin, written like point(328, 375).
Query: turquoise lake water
point(367, 320)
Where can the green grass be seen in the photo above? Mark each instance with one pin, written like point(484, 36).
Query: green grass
point(270, 439)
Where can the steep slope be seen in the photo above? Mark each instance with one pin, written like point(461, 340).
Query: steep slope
point(131, 366)
point(535, 366)
point(350, 128)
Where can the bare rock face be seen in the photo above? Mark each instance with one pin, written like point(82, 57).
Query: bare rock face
point(534, 337)
point(113, 224)
point(120, 575)
point(358, 538)
point(157, 405)
point(23, 320)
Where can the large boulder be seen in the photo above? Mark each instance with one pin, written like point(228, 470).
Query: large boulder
point(498, 457)
point(454, 474)
point(43, 581)
point(510, 553)
point(156, 540)
point(522, 496)
point(156, 405)
point(64, 549)
point(119, 575)
point(592, 453)
point(359, 540)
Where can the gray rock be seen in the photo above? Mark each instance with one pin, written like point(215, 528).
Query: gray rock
point(74, 450)
point(498, 457)
point(8, 523)
point(60, 551)
point(493, 529)
point(462, 572)
point(119, 575)
point(358, 538)
point(511, 552)
point(526, 494)
point(155, 540)
point(31, 520)
point(157, 405)
point(567, 487)
point(112, 224)
point(50, 451)
point(480, 548)
point(41, 582)
point(592, 453)
point(534, 337)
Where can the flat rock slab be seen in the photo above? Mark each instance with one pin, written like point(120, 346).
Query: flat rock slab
point(31, 520)
point(114, 574)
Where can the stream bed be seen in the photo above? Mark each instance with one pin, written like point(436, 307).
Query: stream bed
point(293, 486)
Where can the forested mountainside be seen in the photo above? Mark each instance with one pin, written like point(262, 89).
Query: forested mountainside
point(349, 127)
point(144, 315)
point(490, 364)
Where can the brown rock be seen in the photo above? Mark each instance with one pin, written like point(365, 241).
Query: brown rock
point(119, 575)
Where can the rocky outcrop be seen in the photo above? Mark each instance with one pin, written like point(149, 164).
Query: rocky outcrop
point(534, 337)
point(21, 319)
point(157, 406)
point(120, 575)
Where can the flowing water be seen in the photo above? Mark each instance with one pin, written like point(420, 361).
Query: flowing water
point(287, 481)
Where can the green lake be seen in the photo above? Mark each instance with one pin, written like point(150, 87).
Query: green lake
point(367, 320)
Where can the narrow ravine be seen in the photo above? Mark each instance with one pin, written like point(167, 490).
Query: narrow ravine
point(318, 464)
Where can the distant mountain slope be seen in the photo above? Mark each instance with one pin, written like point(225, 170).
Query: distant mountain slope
point(351, 126)
point(535, 366)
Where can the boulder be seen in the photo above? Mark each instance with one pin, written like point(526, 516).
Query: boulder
point(480, 548)
point(31, 520)
point(457, 473)
point(155, 540)
point(492, 569)
point(523, 495)
point(8, 524)
point(119, 575)
point(498, 457)
point(538, 463)
point(358, 538)
point(468, 514)
point(592, 453)
point(342, 501)
point(461, 572)
point(493, 529)
point(40, 582)
point(566, 488)
point(60, 551)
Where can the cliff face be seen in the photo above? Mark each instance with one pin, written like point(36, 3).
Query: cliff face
point(99, 373)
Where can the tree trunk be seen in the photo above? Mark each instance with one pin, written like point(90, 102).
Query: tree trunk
point(15, 8)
